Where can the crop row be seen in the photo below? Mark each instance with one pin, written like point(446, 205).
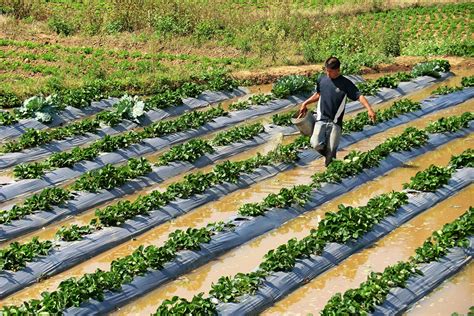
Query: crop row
point(111, 143)
point(431, 68)
point(126, 108)
point(110, 176)
point(348, 223)
point(71, 293)
point(362, 119)
point(374, 291)
point(190, 151)
point(43, 108)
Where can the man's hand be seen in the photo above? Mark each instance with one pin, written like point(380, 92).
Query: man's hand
point(303, 110)
point(372, 115)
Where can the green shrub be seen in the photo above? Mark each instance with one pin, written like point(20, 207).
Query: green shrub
point(61, 26)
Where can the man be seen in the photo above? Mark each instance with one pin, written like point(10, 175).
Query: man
point(331, 94)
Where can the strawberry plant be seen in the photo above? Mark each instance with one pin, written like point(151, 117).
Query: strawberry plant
point(374, 291)
point(43, 201)
point(430, 179)
point(291, 84)
point(283, 119)
point(180, 306)
point(111, 177)
point(189, 151)
point(464, 160)
point(443, 90)
point(9, 100)
point(238, 106)
point(467, 81)
point(6, 118)
point(237, 134)
point(450, 124)
point(15, 256)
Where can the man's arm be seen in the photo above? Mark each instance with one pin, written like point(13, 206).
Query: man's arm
point(370, 111)
point(312, 99)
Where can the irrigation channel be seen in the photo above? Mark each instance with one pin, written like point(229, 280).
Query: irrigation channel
point(221, 206)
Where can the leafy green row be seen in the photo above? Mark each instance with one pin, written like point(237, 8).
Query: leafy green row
point(237, 134)
point(256, 99)
point(43, 201)
point(15, 256)
point(358, 122)
point(374, 291)
point(111, 143)
point(348, 223)
point(43, 108)
point(195, 148)
point(431, 68)
point(33, 137)
point(467, 81)
point(109, 176)
point(371, 87)
point(450, 124)
point(443, 90)
point(115, 215)
point(73, 291)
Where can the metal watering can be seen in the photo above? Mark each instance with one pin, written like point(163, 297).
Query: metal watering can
point(304, 122)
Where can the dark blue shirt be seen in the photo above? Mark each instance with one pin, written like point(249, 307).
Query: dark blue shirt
point(332, 101)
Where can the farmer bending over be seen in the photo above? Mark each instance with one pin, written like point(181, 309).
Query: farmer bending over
point(331, 93)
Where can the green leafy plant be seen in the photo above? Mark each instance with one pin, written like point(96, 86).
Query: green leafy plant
point(374, 291)
point(446, 90)
point(291, 84)
point(111, 177)
point(467, 81)
point(189, 151)
point(15, 256)
point(9, 100)
point(43, 201)
point(237, 134)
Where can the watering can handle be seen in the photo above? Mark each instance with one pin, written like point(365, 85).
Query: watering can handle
point(302, 114)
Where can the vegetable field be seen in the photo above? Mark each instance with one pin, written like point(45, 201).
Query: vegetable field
point(203, 199)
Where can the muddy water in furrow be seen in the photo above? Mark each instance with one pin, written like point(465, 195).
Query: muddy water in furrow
point(214, 211)
point(399, 245)
point(454, 295)
point(248, 256)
